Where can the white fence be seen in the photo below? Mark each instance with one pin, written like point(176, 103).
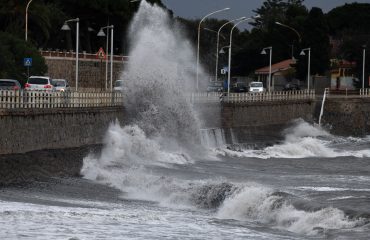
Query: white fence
point(42, 99)
point(365, 92)
point(254, 97)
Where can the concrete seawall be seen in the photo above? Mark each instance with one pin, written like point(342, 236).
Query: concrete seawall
point(26, 130)
point(37, 143)
point(254, 121)
point(347, 116)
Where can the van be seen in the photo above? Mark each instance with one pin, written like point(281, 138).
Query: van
point(256, 87)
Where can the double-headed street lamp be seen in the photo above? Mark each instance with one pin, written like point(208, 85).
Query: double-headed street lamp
point(218, 42)
point(197, 66)
point(102, 34)
point(65, 27)
point(284, 25)
point(309, 65)
point(296, 32)
point(243, 19)
point(270, 69)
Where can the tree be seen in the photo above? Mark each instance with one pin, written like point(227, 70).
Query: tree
point(12, 52)
point(316, 37)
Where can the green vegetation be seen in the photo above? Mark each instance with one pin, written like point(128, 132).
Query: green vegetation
point(348, 24)
point(12, 52)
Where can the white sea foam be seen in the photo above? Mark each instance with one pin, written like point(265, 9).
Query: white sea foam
point(257, 203)
point(303, 140)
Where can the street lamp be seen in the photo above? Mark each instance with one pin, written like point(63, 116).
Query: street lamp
point(264, 53)
point(283, 25)
point(230, 50)
point(102, 34)
point(309, 65)
point(197, 67)
point(363, 65)
point(65, 27)
point(296, 32)
point(26, 32)
point(218, 42)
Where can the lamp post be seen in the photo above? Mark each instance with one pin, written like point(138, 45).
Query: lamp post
point(284, 25)
point(26, 32)
point(218, 42)
point(197, 66)
point(363, 65)
point(309, 65)
point(65, 27)
point(296, 32)
point(270, 69)
point(102, 34)
point(230, 50)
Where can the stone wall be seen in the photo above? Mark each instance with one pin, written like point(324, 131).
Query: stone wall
point(347, 116)
point(25, 130)
point(254, 122)
point(91, 72)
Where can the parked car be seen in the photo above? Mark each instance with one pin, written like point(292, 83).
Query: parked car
point(291, 87)
point(214, 87)
point(39, 83)
point(9, 84)
point(118, 85)
point(256, 87)
point(240, 87)
point(61, 85)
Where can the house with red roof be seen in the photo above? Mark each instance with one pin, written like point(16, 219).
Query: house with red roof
point(281, 73)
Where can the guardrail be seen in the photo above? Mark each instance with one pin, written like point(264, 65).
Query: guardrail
point(253, 97)
point(42, 99)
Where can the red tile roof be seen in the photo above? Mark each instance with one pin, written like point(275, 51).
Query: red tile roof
point(280, 66)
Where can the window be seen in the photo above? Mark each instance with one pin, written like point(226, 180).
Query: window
point(7, 84)
point(40, 81)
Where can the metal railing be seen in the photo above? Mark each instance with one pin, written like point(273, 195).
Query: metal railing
point(10, 99)
point(254, 97)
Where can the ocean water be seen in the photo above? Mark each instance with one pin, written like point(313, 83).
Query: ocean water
point(143, 191)
point(160, 176)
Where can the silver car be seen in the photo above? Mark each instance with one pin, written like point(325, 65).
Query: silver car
point(39, 83)
point(61, 85)
point(9, 84)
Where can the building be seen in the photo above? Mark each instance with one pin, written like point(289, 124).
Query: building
point(343, 75)
point(281, 73)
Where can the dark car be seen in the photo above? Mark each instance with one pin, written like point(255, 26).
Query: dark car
point(291, 87)
point(9, 84)
point(240, 87)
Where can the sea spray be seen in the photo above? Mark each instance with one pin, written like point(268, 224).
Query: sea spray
point(302, 140)
point(263, 205)
point(158, 78)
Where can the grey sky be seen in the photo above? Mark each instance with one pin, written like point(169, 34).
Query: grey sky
point(199, 8)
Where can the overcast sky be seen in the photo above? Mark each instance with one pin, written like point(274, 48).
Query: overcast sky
point(199, 8)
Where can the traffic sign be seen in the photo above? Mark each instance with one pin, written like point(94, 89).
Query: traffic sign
point(224, 70)
point(101, 54)
point(27, 62)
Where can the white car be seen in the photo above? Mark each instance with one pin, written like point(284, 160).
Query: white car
point(256, 87)
point(61, 85)
point(39, 83)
